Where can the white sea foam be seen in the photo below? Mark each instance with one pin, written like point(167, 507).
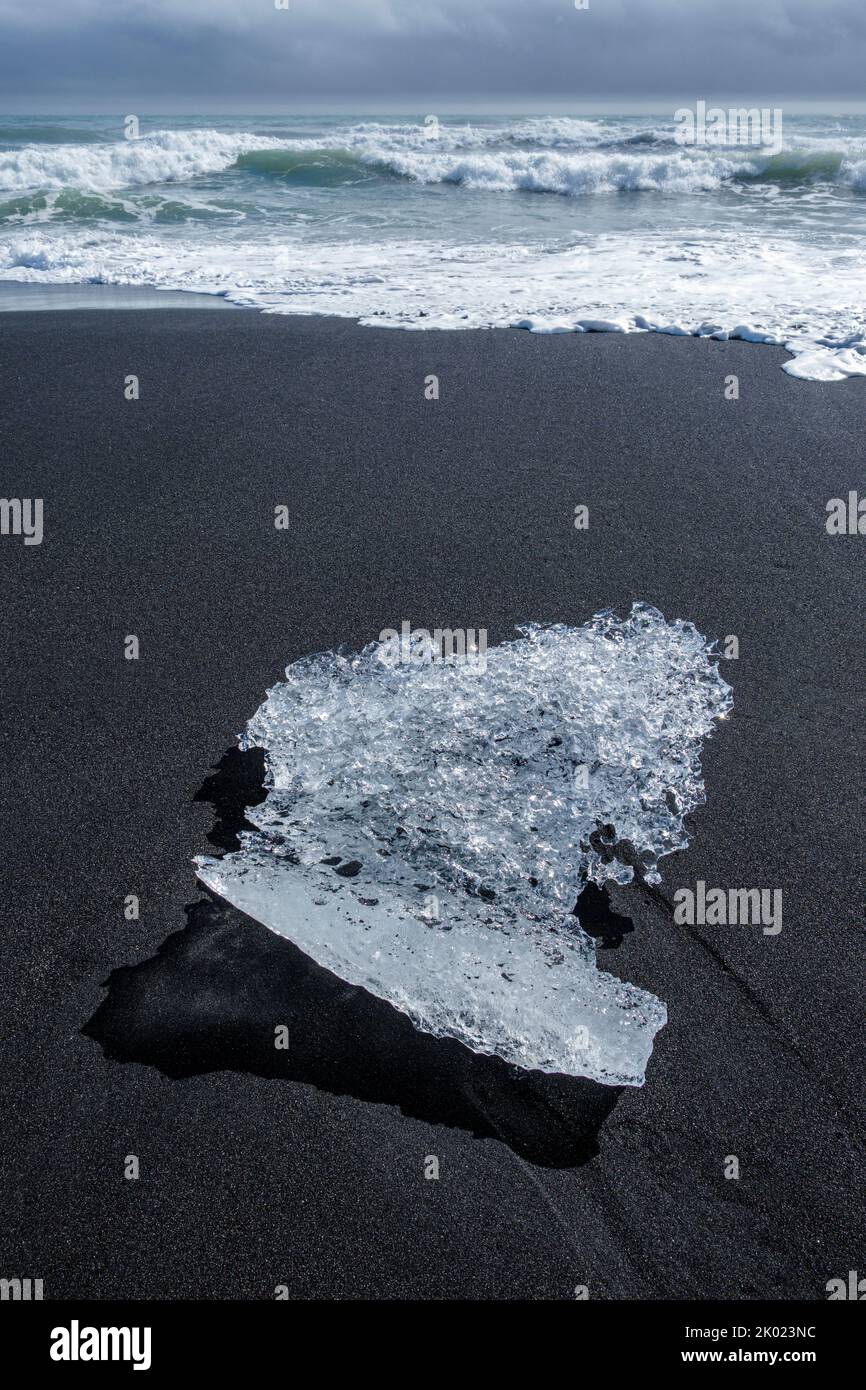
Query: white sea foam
point(166, 156)
point(853, 172)
point(769, 289)
point(644, 162)
point(574, 175)
point(427, 829)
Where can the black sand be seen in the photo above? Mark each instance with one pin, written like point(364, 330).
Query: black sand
point(307, 1169)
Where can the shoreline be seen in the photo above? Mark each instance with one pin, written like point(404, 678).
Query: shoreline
point(813, 362)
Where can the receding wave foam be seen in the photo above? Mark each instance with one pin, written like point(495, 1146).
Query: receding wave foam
point(805, 297)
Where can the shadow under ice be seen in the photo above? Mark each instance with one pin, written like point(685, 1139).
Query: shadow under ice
point(216, 991)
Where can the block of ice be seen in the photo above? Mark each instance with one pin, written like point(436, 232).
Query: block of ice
point(429, 825)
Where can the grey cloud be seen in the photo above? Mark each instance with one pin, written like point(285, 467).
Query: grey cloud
point(215, 54)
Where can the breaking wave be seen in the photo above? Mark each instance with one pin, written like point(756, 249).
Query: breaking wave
point(165, 156)
point(562, 157)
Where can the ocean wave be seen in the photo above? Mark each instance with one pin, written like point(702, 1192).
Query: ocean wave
point(677, 170)
point(854, 174)
point(572, 174)
point(547, 132)
point(316, 167)
point(800, 166)
point(169, 156)
point(567, 157)
point(165, 156)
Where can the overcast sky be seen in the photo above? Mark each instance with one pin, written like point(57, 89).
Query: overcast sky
point(368, 55)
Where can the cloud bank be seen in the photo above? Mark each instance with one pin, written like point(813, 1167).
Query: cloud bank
point(375, 54)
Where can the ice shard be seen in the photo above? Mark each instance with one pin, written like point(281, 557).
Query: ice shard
point(429, 825)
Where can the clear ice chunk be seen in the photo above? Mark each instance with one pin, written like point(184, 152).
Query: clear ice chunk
point(429, 825)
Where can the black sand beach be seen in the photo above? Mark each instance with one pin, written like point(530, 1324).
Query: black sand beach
point(306, 1168)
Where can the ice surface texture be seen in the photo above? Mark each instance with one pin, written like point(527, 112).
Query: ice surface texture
point(429, 826)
